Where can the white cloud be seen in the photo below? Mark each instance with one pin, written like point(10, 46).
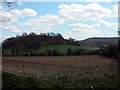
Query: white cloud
point(96, 25)
point(99, 0)
point(115, 8)
point(20, 3)
point(81, 31)
point(109, 24)
point(11, 28)
point(43, 23)
point(78, 12)
point(5, 16)
point(104, 23)
point(16, 14)
point(114, 11)
point(81, 26)
point(3, 37)
point(27, 12)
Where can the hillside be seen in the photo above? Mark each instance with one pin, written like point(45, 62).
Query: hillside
point(99, 41)
point(52, 44)
point(29, 44)
point(33, 40)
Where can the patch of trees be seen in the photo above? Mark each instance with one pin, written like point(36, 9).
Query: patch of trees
point(81, 51)
point(50, 52)
point(110, 51)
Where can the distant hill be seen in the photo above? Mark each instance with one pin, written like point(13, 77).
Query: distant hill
point(99, 41)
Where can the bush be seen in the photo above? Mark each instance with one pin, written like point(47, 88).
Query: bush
point(109, 51)
point(69, 51)
point(80, 52)
point(49, 52)
point(55, 52)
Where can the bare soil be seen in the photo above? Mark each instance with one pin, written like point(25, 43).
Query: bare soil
point(59, 65)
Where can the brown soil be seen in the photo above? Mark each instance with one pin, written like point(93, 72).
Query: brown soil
point(59, 65)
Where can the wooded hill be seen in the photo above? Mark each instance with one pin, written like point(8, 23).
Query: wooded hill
point(99, 41)
point(52, 44)
point(29, 43)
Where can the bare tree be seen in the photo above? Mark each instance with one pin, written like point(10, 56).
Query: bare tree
point(6, 6)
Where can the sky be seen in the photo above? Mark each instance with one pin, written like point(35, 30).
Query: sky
point(78, 20)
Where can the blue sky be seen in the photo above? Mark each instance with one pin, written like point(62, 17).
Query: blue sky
point(79, 20)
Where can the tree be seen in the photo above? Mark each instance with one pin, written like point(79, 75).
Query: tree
point(7, 5)
point(32, 34)
point(110, 51)
point(55, 52)
point(69, 51)
point(78, 52)
point(24, 34)
point(71, 39)
point(52, 34)
point(49, 52)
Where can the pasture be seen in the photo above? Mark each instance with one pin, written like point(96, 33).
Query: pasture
point(59, 49)
point(63, 48)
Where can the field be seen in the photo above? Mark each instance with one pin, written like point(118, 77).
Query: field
point(61, 49)
point(84, 71)
point(59, 65)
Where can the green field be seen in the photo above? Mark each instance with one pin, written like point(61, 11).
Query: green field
point(63, 48)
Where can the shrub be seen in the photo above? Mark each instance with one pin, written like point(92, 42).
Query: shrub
point(49, 52)
point(80, 52)
point(109, 51)
point(69, 51)
point(55, 52)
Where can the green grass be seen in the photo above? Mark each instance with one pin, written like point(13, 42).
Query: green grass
point(14, 81)
point(63, 48)
point(7, 52)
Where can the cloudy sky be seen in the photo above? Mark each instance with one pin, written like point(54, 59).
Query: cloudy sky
point(78, 20)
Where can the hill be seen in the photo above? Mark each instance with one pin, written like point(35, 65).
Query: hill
point(33, 40)
point(29, 44)
point(99, 41)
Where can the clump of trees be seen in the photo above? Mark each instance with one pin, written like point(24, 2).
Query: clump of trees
point(109, 51)
point(112, 51)
point(81, 51)
point(50, 52)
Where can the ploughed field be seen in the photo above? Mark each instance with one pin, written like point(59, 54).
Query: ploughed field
point(84, 66)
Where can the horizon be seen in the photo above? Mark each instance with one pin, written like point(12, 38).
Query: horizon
point(70, 19)
point(60, 34)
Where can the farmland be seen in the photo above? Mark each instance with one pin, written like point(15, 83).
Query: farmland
point(45, 61)
point(61, 48)
point(59, 72)
point(50, 48)
point(49, 65)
